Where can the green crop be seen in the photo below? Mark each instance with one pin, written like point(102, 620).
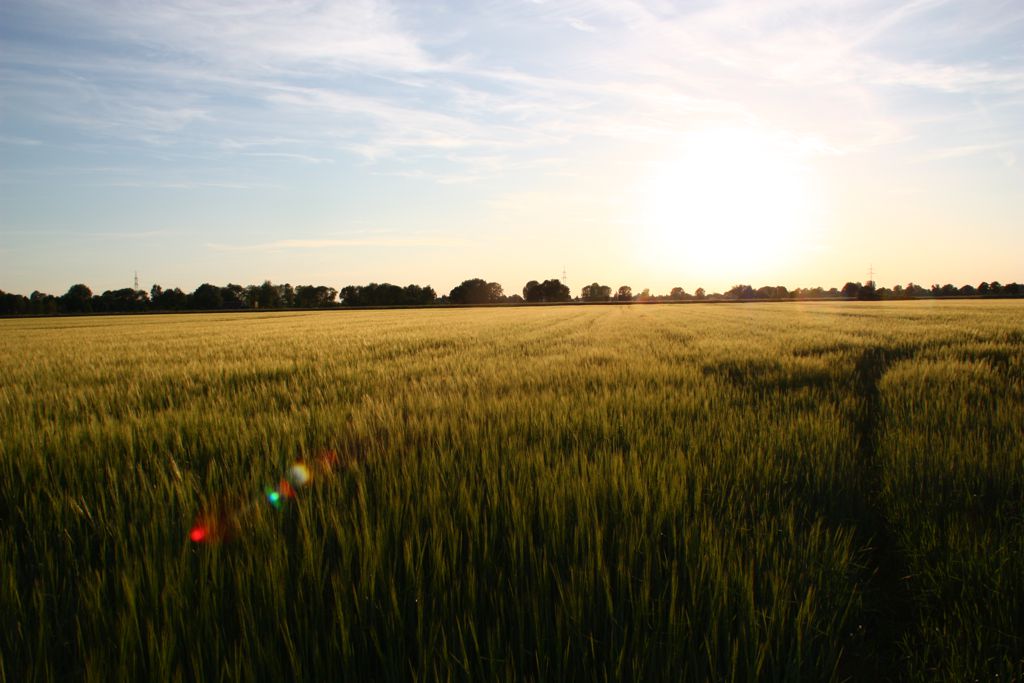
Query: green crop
point(784, 492)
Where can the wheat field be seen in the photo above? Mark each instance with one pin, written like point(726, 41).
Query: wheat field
point(784, 492)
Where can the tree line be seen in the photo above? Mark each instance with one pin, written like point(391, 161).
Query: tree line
point(80, 299)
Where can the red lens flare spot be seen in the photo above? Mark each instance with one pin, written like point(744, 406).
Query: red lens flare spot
point(214, 526)
point(327, 459)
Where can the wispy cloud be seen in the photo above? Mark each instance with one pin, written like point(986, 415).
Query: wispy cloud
point(170, 184)
point(19, 141)
point(309, 244)
point(317, 82)
point(969, 150)
point(580, 25)
point(293, 156)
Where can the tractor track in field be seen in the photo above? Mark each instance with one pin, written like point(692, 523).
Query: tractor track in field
point(888, 600)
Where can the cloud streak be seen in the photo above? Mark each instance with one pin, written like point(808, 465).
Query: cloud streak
point(311, 244)
point(370, 78)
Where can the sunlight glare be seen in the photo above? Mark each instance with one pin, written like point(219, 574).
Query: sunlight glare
point(731, 201)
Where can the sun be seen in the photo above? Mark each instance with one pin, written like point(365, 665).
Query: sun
point(728, 202)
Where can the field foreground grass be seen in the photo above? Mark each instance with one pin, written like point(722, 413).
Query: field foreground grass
point(784, 492)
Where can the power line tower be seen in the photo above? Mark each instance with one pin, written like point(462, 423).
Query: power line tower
point(871, 275)
point(136, 280)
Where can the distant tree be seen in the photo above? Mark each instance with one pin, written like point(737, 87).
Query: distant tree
point(207, 297)
point(699, 294)
point(161, 299)
point(12, 304)
point(350, 295)
point(372, 294)
point(625, 293)
point(1013, 289)
point(769, 292)
point(867, 292)
point(78, 299)
point(386, 294)
point(310, 296)
point(125, 300)
point(850, 290)
point(43, 303)
point(596, 292)
point(945, 290)
point(984, 289)
point(644, 295)
point(514, 299)
point(555, 291)
point(966, 290)
point(416, 295)
point(476, 291)
point(740, 292)
point(995, 288)
point(268, 295)
point(677, 294)
point(548, 291)
point(286, 295)
point(915, 291)
point(233, 296)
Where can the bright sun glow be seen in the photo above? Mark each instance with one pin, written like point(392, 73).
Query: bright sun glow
point(732, 202)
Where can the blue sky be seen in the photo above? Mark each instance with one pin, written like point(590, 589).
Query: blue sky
point(655, 144)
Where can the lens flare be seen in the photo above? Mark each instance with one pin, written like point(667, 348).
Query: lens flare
point(221, 522)
point(299, 475)
point(216, 525)
point(326, 460)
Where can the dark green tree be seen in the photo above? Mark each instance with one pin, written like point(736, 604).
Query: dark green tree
point(476, 291)
point(207, 297)
point(548, 291)
point(850, 290)
point(43, 303)
point(13, 304)
point(387, 294)
point(310, 296)
point(78, 299)
point(125, 300)
point(740, 292)
point(596, 292)
point(168, 299)
point(868, 292)
point(268, 295)
point(233, 296)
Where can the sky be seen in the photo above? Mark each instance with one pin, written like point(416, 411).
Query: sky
point(648, 143)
